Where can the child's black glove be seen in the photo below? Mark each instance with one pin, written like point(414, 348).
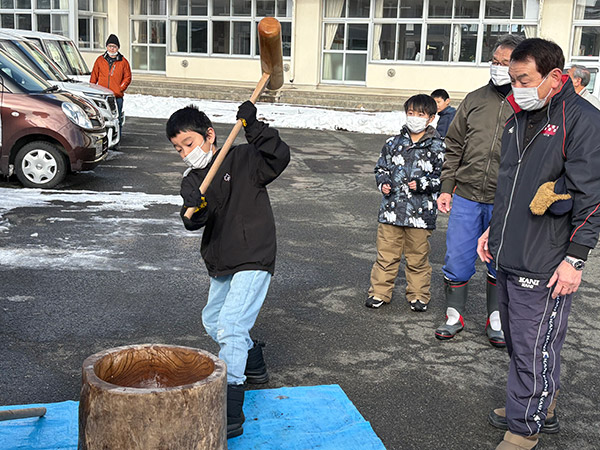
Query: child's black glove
point(247, 112)
point(192, 196)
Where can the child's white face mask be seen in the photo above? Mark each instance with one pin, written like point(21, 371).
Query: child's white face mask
point(198, 158)
point(416, 124)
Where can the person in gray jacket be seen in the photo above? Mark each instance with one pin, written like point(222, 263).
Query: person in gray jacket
point(468, 187)
point(580, 76)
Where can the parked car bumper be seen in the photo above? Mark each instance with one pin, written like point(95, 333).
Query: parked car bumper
point(90, 152)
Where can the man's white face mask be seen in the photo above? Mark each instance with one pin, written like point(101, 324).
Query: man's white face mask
point(499, 75)
point(527, 98)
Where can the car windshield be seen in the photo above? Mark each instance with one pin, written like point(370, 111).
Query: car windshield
point(19, 75)
point(53, 72)
point(74, 57)
point(57, 56)
point(16, 53)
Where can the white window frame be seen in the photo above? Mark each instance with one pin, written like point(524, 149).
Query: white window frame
point(252, 18)
point(92, 16)
point(481, 21)
point(33, 11)
point(591, 62)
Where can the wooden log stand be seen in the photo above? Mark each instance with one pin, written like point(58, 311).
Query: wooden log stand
point(153, 397)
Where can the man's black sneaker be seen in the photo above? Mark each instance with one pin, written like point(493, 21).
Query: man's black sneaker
point(373, 302)
point(497, 418)
point(418, 306)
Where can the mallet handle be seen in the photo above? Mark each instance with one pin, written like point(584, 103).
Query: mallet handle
point(260, 87)
point(10, 414)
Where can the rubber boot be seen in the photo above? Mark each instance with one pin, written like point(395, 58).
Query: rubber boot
point(235, 414)
point(496, 337)
point(256, 369)
point(497, 418)
point(456, 298)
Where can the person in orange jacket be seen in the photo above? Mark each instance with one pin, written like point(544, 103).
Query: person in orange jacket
point(112, 71)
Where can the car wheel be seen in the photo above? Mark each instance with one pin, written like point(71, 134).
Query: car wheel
point(40, 164)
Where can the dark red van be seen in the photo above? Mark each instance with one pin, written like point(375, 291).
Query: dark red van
point(45, 132)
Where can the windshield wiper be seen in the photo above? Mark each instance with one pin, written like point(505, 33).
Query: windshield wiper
point(50, 89)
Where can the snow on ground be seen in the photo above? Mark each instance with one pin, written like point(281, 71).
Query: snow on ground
point(86, 200)
point(278, 115)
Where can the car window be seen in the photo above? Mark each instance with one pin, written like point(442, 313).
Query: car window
point(57, 56)
point(48, 66)
point(19, 75)
point(16, 53)
point(74, 57)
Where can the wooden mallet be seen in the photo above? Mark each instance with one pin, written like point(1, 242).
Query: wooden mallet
point(271, 60)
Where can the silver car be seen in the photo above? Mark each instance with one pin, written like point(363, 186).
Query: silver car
point(28, 53)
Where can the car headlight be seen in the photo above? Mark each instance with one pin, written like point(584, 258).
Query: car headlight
point(77, 115)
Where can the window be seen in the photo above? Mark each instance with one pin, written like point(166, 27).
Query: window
point(445, 31)
point(346, 40)
point(149, 34)
point(92, 23)
point(586, 30)
point(51, 16)
point(585, 49)
point(225, 27)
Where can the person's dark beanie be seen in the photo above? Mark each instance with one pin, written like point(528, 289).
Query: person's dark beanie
point(113, 39)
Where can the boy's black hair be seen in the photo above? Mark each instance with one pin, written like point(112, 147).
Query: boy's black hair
point(440, 93)
point(546, 54)
point(189, 118)
point(421, 103)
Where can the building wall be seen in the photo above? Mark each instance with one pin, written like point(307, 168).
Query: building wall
point(304, 66)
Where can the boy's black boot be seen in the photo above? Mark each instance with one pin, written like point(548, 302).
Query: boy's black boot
point(235, 414)
point(256, 369)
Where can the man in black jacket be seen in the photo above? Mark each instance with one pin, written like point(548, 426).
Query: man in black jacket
point(540, 256)
point(238, 241)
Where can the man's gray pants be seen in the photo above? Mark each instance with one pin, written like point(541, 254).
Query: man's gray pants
point(535, 326)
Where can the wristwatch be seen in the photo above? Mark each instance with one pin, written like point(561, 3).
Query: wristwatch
point(578, 264)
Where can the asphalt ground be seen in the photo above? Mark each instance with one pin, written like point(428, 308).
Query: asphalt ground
point(86, 279)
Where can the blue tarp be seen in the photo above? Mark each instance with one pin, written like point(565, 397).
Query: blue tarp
point(298, 418)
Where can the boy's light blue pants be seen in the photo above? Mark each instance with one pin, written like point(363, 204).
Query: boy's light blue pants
point(468, 220)
point(234, 302)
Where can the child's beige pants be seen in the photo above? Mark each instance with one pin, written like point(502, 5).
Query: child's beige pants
point(392, 243)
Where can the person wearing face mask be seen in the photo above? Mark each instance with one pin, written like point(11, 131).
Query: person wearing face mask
point(112, 71)
point(238, 239)
point(580, 76)
point(540, 256)
point(467, 192)
point(408, 176)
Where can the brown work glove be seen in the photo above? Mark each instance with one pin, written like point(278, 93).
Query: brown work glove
point(546, 199)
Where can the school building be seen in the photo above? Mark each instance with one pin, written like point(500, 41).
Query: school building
point(349, 52)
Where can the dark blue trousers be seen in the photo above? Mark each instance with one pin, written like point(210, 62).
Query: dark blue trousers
point(535, 326)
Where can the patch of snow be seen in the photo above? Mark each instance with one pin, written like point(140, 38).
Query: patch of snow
point(277, 114)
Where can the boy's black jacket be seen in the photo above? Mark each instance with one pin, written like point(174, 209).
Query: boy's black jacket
point(239, 231)
point(566, 143)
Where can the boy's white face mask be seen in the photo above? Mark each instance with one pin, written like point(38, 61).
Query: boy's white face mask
point(198, 158)
point(416, 124)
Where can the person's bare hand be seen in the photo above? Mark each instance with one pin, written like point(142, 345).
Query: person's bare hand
point(444, 202)
point(482, 247)
point(386, 189)
point(565, 280)
point(412, 185)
